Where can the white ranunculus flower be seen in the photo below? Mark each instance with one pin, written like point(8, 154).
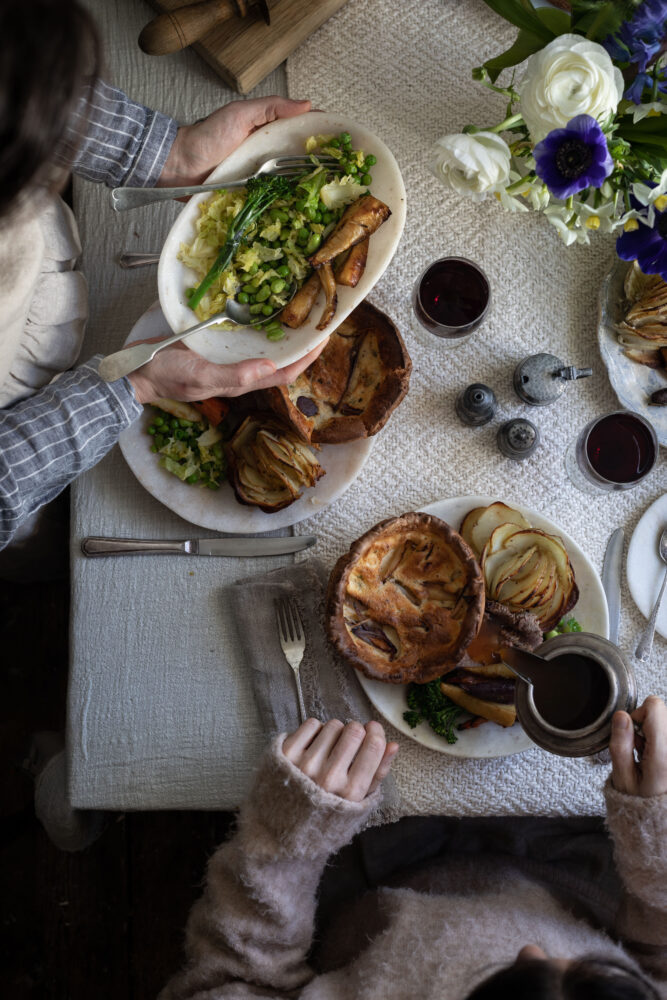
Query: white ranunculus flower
point(473, 165)
point(570, 76)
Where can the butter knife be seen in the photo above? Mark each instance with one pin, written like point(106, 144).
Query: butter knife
point(238, 546)
point(611, 580)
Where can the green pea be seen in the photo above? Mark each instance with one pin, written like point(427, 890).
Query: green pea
point(256, 308)
point(327, 217)
point(152, 430)
point(267, 310)
point(243, 297)
point(283, 271)
point(253, 269)
point(277, 286)
point(351, 168)
point(159, 441)
point(154, 449)
point(310, 213)
point(550, 635)
point(302, 234)
point(335, 143)
point(300, 205)
point(194, 478)
point(345, 138)
point(185, 423)
point(313, 243)
point(370, 161)
point(159, 421)
point(367, 180)
point(249, 287)
point(263, 293)
point(275, 334)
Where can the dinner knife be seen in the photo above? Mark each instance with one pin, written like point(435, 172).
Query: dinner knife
point(611, 580)
point(238, 546)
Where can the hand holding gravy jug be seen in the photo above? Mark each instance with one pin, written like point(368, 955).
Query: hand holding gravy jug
point(568, 710)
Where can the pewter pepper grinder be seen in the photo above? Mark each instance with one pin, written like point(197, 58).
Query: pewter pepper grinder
point(518, 438)
point(541, 378)
point(476, 404)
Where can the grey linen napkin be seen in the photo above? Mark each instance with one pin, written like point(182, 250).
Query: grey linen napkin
point(330, 687)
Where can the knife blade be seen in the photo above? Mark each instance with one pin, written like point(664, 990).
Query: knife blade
point(611, 580)
point(236, 547)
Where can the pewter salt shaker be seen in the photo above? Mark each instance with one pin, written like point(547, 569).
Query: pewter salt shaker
point(518, 438)
point(476, 404)
point(541, 378)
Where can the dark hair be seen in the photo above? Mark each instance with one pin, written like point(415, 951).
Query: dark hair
point(47, 49)
point(587, 978)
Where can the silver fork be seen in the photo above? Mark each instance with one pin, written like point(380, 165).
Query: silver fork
point(292, 641)
point(282, 166)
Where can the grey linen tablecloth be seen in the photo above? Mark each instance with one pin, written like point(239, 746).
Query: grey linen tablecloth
point(161, 706)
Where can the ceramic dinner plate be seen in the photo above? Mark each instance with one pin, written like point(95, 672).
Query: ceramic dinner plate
point(490, 740)
point(218, 509)
point(633, 383)
point(286, 136)
point(644, 567)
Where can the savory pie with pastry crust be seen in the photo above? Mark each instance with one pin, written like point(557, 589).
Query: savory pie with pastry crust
point(406, 600)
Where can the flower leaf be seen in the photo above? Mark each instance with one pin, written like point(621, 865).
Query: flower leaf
point(528, 41)
point(523, 16)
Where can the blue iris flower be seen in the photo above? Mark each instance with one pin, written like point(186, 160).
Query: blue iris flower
point(573, 158)
point(647, 245)
point(639, 42)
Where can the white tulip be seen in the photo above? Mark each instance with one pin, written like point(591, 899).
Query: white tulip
point(570, 76)
point(472, 165)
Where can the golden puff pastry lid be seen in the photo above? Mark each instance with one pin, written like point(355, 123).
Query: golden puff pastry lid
point(406, 600)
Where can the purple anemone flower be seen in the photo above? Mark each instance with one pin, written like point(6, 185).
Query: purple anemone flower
point(573, 158)
point(647, 245)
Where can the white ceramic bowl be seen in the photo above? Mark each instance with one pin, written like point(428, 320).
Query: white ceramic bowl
point(286, 136)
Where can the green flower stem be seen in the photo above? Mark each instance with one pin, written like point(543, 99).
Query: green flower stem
point(517, 185)
point(508, 123)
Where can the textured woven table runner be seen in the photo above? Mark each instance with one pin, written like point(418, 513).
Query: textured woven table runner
point(404, 71)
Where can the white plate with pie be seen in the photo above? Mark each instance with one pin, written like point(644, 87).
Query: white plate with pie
point(218, 509)
point(489, 739)
point(280, 138)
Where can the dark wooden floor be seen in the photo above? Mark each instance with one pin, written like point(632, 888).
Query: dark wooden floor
point(106, 922)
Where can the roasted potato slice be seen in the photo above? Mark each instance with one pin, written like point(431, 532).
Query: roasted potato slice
point(548, 591)
point(491, 517)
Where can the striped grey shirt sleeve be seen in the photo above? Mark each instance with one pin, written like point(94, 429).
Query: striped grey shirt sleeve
point(46, 441)
point(115, 141)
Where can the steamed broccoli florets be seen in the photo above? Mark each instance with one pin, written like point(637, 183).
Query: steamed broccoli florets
point(427, 702)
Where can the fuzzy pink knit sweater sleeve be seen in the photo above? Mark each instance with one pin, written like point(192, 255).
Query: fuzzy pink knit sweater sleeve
point(639, 829)
point(249, 933)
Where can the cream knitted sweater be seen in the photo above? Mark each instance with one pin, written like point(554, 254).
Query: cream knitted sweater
point(249, 934)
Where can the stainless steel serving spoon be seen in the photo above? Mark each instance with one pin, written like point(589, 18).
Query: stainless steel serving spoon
point(124, 362)
point(645, 644)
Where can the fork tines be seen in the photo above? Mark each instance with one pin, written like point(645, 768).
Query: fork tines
point(327, 161)
point(286, 165)
point(289, 621)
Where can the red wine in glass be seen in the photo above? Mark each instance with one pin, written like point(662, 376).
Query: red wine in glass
point(451, 298)
point(614, 452)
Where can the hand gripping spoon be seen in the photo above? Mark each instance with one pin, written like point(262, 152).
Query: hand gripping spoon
point(124, 362)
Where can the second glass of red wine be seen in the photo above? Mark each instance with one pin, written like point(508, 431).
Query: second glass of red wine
point(451, 298)
point(614, 452)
